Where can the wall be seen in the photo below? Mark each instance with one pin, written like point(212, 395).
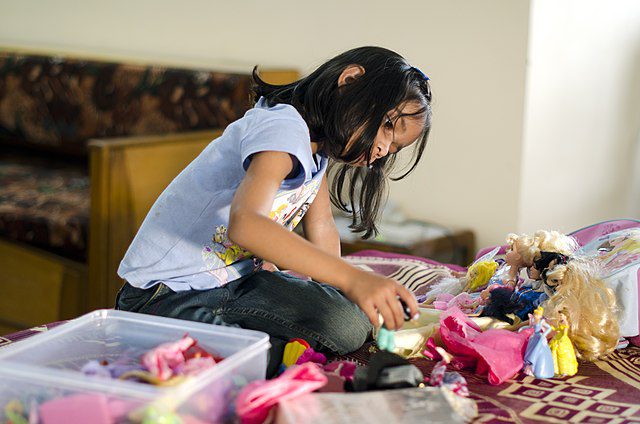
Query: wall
point(582, 119)
point(474, 51)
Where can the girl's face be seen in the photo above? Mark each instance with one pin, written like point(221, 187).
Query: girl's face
point(395, 133)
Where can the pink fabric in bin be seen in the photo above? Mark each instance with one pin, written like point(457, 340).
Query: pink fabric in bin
point(495, 353)
point(256, 400)
point(81, 408)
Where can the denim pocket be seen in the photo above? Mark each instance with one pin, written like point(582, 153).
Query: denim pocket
point(160, 290)
point(134, 299)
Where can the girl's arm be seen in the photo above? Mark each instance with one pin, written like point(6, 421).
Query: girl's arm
point(251, 228)
point(318, 224)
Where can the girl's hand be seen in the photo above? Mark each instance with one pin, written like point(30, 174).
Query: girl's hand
point(376, 294)
point(268, 266)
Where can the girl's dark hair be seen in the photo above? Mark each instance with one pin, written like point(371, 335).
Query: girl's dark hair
point(356, 110)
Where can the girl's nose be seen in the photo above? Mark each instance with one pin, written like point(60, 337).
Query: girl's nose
point(383, 150)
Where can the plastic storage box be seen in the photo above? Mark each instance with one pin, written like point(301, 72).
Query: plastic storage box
point(41, 375)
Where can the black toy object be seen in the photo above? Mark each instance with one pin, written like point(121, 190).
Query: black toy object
point(405, 309)
point(386, 370)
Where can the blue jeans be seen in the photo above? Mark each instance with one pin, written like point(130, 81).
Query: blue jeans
point(283, 306)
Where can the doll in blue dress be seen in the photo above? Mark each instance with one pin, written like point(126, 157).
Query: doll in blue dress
point(538, 360)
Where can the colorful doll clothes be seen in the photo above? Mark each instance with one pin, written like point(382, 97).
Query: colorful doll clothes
point(538, 354)
point(563, 353)
point(255, 401)
point(467, 303)
point(495, 353)
point(530, 298)
point(181, 357)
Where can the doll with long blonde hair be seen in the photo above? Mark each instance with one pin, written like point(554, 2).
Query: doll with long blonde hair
point(587, 302)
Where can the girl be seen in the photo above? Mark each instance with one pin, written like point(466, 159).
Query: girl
point(199, 254)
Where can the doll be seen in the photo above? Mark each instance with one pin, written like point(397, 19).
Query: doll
point(538, 253)
point(538, 360)
point(452, 380)
point(500, 304)
point(564, 355)
point(521, 251)
point(524, 250)
point(479, 274)
point(587, 302)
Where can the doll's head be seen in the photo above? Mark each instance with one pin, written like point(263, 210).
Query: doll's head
point(521, 250)
point(479, 274)
point(562, 317)
point(538, 313)
point(589, 306)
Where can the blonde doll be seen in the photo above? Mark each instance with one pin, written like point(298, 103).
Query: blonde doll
point(523, 250)
point(587, 302)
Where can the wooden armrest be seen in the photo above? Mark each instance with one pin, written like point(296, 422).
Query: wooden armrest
point(149, 140)
point(127, 176)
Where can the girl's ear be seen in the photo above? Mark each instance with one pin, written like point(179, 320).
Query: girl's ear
point(350, 74)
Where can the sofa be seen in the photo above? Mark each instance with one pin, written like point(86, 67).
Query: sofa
point(86, 146)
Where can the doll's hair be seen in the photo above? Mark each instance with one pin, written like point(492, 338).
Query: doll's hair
point(479, 274)
point(529, 247)
point(589, 305)
point(356, 110)
point(553, 241)
point(524, 245)
point(501, 303)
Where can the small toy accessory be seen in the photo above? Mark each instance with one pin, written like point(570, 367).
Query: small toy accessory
point(293, 350)
point(386, 337)
point(420, 72)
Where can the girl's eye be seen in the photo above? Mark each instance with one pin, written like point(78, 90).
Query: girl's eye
point(388, 124)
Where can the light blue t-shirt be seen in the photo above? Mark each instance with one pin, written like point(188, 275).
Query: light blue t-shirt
point(183, 240)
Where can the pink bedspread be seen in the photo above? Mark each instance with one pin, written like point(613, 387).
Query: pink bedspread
point(604, 391)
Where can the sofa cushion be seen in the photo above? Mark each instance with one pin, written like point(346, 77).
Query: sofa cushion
point(46, 204)
point(58, 104)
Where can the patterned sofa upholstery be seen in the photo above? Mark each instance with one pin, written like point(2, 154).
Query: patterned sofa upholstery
point(53, 106)
point(85, 148)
